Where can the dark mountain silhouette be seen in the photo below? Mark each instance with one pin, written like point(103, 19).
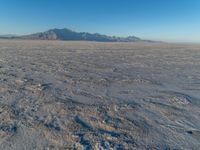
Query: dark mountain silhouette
point(8, 36)
point(67, 34)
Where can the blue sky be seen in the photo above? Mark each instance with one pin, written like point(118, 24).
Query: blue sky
point(167, 20)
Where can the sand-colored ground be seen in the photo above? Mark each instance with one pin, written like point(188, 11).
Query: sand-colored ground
point(88, 95)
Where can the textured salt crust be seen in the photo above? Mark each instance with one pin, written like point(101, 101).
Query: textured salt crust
point(88, 95)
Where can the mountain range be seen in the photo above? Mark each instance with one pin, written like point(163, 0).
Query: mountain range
point(70, 35)
point(8, 36)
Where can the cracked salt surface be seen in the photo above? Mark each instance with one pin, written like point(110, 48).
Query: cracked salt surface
point(88, 95)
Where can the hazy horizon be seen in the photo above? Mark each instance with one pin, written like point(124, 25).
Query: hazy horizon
point(167, 20)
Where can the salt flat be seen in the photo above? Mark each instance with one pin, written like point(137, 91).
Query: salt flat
point(89, 95)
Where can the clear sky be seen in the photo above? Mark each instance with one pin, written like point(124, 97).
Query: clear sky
point(167, 20)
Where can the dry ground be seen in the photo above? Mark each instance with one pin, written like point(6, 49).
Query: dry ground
point(88, 95)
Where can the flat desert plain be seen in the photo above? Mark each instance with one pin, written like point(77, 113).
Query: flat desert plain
point(89, 95)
